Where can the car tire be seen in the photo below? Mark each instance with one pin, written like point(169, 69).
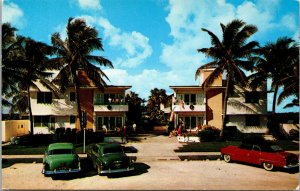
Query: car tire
point(46, 168)
point(227, 158)
point(99, 169)
point(268, 166)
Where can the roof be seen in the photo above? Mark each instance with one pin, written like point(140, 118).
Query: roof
point(60, 146)
point(108, 145)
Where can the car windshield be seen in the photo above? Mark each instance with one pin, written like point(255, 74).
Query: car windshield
point(271, 148)
point(112, 150)
point(276, 148)
point(60, 151)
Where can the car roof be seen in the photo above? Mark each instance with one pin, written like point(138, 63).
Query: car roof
point(60, 146)
point(107, 145)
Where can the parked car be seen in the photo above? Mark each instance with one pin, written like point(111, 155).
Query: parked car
point(109, 158)
point(266, 154)
point(60, 158)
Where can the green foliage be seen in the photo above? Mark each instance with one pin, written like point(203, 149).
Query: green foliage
point(157, 97)
point(209, 133)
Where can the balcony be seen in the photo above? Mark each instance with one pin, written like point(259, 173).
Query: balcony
point(189, 108)
point(111, 107)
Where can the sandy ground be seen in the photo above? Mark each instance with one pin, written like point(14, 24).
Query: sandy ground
point(152, 175)
point(157, 167)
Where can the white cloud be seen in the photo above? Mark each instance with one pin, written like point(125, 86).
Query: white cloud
point(289, 22)
point(13, 14)
point(186, 20)
point(135, 44)
point(90, 4)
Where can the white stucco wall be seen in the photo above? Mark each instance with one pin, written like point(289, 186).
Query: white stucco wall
point(240, 122)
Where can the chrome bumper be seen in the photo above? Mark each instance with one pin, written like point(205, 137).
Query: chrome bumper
point(117, 170)
point(61, 171)
point(291, 166)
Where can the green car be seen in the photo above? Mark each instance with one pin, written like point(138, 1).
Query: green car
point(109, 158)
point(60, 158)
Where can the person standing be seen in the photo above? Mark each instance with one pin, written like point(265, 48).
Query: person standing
point(180, 127)
point(134, 128)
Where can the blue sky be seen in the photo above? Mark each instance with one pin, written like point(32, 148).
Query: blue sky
point(153, 43)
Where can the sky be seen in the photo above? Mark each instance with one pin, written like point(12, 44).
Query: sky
point(153, 43)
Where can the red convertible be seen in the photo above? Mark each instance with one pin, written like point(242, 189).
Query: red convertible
point(267, 155)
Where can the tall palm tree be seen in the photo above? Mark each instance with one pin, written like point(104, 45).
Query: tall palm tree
point(157, 97)
point(33, 64)
point(277, 61)
point(10, 56)
point(230, 56)
point(74, 53)
point(290, 86)
point(134, 113)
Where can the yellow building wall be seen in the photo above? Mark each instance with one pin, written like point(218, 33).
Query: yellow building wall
point(217, 82)
point(214, 108)
point(12, 128)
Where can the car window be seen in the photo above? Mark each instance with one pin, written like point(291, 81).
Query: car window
point(246, 146)
point(61, 151)
point(112, 150)
point(276, 148)
point(256, 148)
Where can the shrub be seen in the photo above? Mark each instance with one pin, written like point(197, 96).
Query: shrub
point(253, 138)
point(209, 133)
point(294, 134)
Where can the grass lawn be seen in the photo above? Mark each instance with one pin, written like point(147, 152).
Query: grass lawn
point(32, 150)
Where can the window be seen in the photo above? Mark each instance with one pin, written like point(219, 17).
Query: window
point(246, 146)
point(110, 122)
point(99, 99)
point(252, 120)
point(200, 98)
point(112, 99)
point(186, 99)
point(193, 99)
point(72, 119)
point(44, 97)
point(251, 97)
point(41, 121)
point(72, 96)
point(189, 99)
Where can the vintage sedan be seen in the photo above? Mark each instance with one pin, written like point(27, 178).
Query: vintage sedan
point(267, 155)
point(109, 158)
point(60, 158)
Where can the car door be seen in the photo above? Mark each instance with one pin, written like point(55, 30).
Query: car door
point(243, 153)
point(255, 155)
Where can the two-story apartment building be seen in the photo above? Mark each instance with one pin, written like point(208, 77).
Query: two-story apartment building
point(196, 106)
point(104, 107)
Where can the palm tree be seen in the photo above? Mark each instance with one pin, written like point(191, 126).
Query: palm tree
point(230, 56)
point(157, 97)
point(74, 53)
point(290, 80)
point(134, 113)
point(33, 65)
point(278, 62)
point(10, 55)
point(290, 87)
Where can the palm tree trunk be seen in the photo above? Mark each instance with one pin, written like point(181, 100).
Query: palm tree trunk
point(77, 90)
point(224, 107)
point(274, 99)
point(30, 111)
